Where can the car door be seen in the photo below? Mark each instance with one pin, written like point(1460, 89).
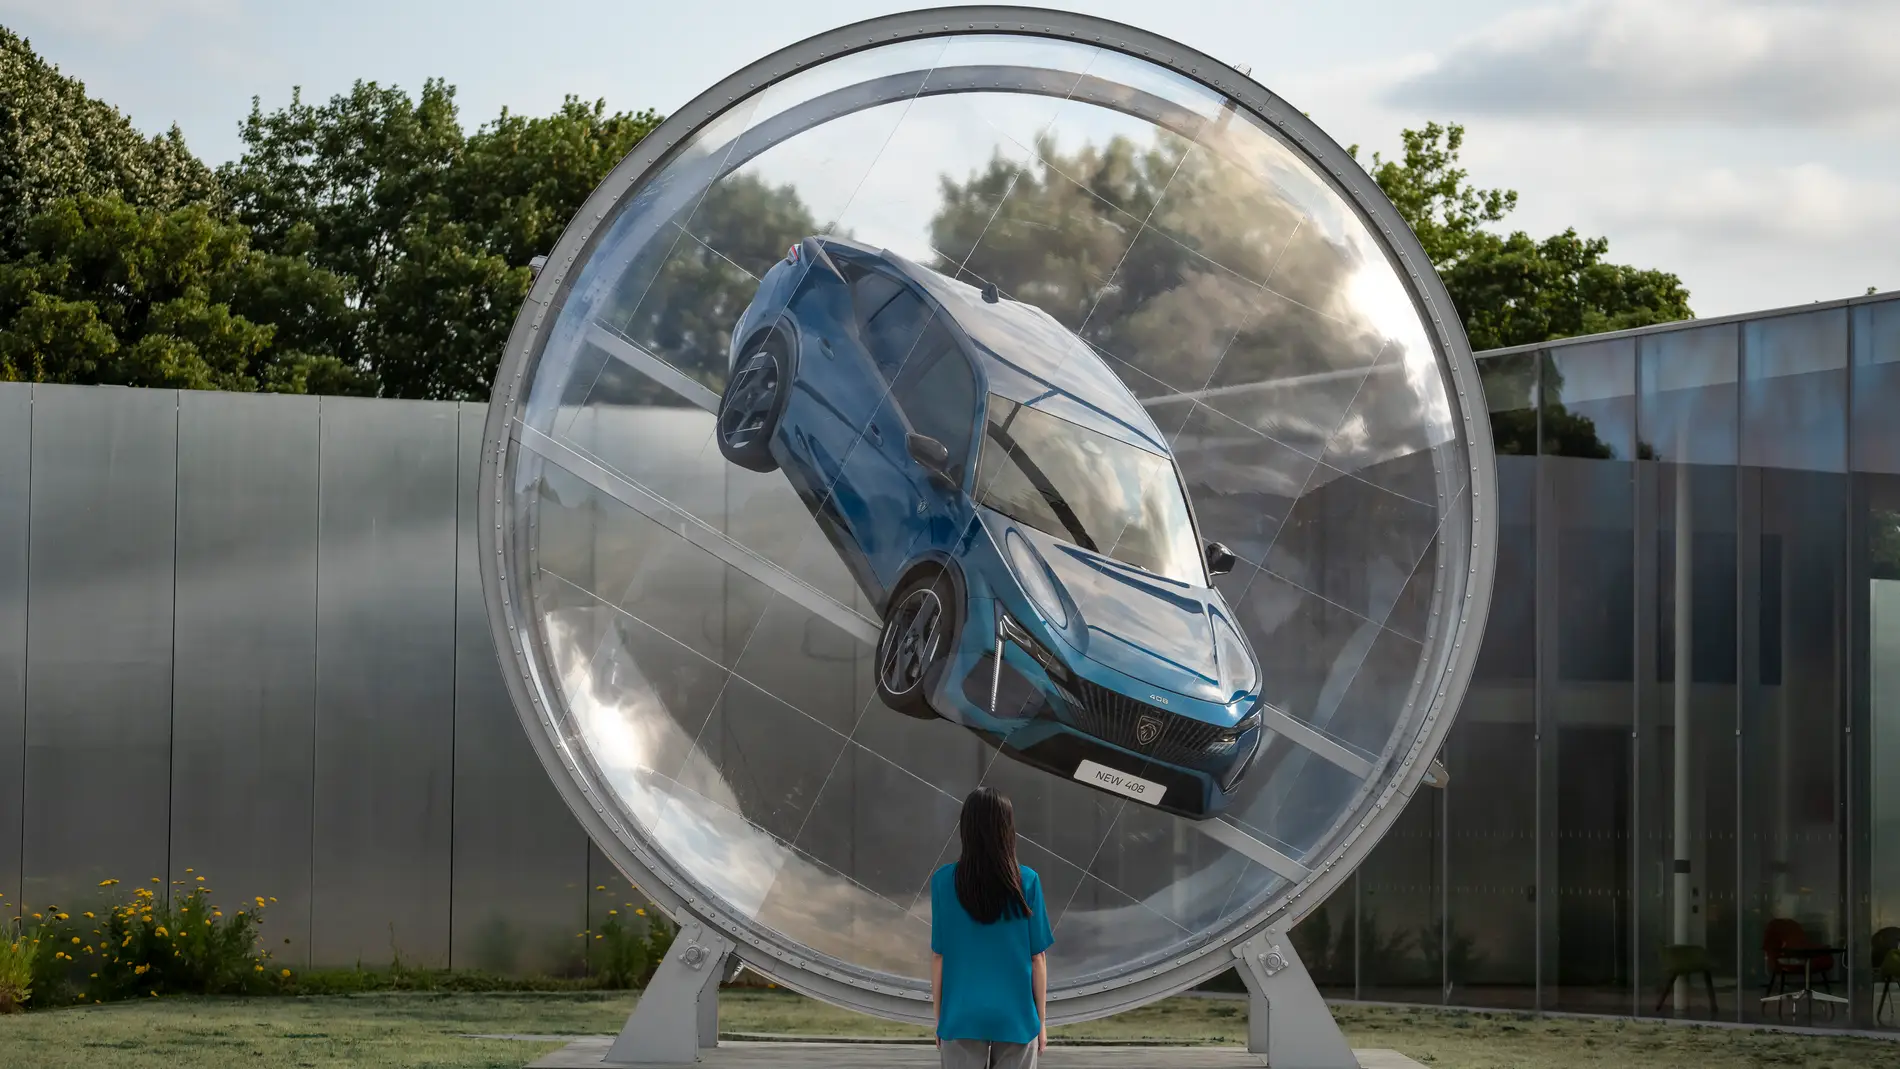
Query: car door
point(837, 388)
point(880, 491)
point(938, 396)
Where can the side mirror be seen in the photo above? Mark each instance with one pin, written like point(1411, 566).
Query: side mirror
point(1220, 559)
point(932, 454)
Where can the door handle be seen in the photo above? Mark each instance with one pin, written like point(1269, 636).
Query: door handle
point(874, 434)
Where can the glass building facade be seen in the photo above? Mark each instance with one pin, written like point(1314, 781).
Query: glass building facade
point(1678, 741)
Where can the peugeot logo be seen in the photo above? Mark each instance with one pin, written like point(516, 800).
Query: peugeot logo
point(1147, 730)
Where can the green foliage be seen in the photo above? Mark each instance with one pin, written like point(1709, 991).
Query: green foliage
point(1512, 289)
point(57, 143)
point(627, 947)
point(399, 977)
point(182, 945)
point(110, 293)
point(430, 230)
point(22, 953)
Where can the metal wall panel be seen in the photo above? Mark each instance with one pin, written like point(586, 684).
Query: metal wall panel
point(244, 692)
point(520, 861)
point(99, 655)
point(385, 682)
point(16, 452)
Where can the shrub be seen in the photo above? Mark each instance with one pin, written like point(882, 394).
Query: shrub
point(185, 946)
point(20, 953)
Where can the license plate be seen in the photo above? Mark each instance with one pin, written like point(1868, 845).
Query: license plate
point(1121, 783)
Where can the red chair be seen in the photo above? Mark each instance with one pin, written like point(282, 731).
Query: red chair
point(1780, 935)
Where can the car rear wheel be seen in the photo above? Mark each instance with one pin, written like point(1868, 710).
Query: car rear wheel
point(920, 631)
point(749, 410)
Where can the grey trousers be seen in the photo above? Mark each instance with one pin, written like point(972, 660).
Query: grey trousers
point(982, 1054)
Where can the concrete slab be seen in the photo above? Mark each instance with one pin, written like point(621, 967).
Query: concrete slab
point(587, 1053)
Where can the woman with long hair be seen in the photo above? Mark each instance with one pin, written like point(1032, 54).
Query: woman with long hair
point(989, 932)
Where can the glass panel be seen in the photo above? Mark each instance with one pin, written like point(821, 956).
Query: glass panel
point(1401, 918)
point(1793, 725)
point(1491, 804)
point(1688, 404)
point(1877, 387)
point(1510, 392)
point(1587, 618)
point(1590, 400)
point(1686, 724)
point(1327, 940)
point(1877, 646)
point(1794, 398)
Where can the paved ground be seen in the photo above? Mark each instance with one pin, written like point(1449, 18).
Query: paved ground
point(587, 1052)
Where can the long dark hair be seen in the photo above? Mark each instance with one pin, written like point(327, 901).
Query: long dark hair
point(989, 885)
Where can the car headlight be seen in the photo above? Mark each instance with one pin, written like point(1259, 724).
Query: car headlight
point(1008, 629)
point(1238, 674)
point(1034, 576)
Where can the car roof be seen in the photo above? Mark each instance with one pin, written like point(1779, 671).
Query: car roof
point(1029, 356)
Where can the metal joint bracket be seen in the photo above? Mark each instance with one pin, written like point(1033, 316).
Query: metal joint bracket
point(678, 1013)
point(1287, 1019)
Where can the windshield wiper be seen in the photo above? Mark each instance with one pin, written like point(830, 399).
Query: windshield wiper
point(1044, 488)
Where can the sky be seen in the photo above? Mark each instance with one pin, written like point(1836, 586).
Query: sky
point(1750, 146)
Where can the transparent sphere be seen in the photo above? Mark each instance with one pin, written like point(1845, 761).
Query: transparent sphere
point(1040, 350)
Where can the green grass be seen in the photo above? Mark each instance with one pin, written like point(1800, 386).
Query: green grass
point(386, 1030)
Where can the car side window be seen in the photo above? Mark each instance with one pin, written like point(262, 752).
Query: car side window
point(936, 391)
point(891, 331)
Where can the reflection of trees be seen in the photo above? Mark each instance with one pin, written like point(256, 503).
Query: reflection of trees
point(1157, 254)
point(684, 290)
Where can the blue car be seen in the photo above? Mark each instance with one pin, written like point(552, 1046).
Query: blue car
point(1013, 512)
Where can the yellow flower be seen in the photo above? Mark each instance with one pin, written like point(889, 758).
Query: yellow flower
point(156, 880)
point(107, 883)
point(162, 931)
point(88, 915)
point(188, 870)
point(154, 994)
point(601, 887)
point(613, 913)
point(62, 917)
point(257, 968)
point(140, 971)
point(273, 899)
point(216, 913)
point(201, 879)
point(285, 974)
point(641, 912)
point(36, 916)
point(260, 903)
point(600, 937)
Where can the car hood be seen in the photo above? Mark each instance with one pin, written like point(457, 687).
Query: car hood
point(1139, 624)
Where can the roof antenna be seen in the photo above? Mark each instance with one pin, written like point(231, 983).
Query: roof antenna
point(990, 296)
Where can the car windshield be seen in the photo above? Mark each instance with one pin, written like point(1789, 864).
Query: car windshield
point(1082, 486)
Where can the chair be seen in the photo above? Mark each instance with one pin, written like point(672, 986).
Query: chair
point(1784, 933)
point(1685, 960)
point(1886, 965)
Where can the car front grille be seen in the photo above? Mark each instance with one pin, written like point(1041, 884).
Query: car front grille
point(1117, 719)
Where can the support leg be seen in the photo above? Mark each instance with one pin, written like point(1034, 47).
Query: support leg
point(678, 1013)
point(1287, 1020)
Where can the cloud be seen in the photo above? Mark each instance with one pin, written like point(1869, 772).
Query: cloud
point(121, 19)
point(1809, 204)
point(1742, 62)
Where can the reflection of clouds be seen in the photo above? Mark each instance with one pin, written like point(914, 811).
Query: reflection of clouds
point(618, 718)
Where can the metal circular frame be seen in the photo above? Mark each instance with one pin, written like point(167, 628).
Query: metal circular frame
point(1449, 665)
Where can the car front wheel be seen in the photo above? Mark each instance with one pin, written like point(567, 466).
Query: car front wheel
point(919, 635)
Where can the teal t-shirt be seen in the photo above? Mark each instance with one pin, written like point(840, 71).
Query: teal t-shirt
point(988, 988)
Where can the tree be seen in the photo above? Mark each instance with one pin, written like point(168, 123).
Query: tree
point(1512, 289)
point(56, 142)
point(431, 230)
point(111, 293)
